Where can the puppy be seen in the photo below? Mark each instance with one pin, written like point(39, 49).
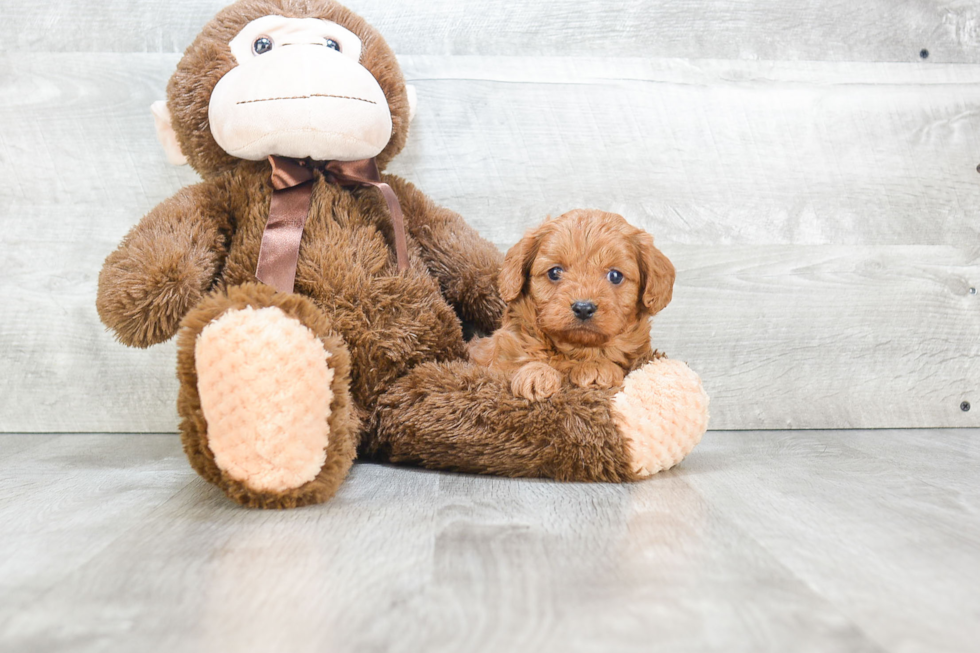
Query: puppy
point(581, 290)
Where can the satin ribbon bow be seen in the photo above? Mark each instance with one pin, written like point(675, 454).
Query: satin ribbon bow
point(292, 181)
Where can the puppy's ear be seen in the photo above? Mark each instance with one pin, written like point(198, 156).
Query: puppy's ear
point(517, 264)
point(656, 274)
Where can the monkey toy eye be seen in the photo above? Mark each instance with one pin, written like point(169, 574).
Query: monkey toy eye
point(555, 273)
point(262, 45)
point(333, 45)
point(615, 277)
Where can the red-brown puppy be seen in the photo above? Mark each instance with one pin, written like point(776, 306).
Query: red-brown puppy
point(581, 290)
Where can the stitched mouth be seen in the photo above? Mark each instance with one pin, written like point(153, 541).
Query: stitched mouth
point(307, 97)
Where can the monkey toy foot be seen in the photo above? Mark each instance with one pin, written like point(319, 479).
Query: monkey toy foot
point(265, 398)
point(661, 412)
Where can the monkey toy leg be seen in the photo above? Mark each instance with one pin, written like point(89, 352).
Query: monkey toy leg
point(265, 405)
point(462, 417)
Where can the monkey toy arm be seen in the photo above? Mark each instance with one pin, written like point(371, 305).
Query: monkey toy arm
point(164, 266)
point(465, 264)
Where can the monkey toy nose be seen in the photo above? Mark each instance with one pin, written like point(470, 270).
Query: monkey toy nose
point(584, 310)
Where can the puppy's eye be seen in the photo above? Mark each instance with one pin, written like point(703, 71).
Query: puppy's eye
point(615, 277)
point(555, 273)
point(333, 45)
point(262, 45)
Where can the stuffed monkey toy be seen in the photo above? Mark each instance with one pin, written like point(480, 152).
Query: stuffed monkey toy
point(318, 302)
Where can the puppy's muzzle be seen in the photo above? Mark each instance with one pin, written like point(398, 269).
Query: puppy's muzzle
point(584, 310)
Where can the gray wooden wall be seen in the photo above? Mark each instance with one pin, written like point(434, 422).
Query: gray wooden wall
point(810, 171)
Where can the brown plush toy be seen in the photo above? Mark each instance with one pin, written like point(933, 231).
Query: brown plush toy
point(311, 324)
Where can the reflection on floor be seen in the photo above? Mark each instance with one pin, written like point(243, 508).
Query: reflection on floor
point(759, 541)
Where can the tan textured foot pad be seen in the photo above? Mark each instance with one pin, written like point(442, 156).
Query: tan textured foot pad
point(662, 411)
point(265, 392)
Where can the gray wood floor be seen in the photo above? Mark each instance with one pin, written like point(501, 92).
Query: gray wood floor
point(760, 541)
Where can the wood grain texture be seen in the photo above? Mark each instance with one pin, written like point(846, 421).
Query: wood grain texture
point(716, 152)
point(827, 336)
point(708, 152)
point(829, 30)
point(784, 336)
point(67, 499)
point(811, 496)
point(822, 217)
point(12, 444)
point(759, 541)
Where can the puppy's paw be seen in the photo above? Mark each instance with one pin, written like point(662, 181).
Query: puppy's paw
point(536, 381)
point(604, 374)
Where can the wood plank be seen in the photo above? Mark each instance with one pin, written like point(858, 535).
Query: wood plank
point(914, 454)
point(620, 567)
point(64, 371)
point(712, 152)
point(85, 120)
point(198, 551)
point(704, 152)
point(784, 337)
point(12, 444)
point(759, 541)
point(69, 498)
point(899, 556)
point(821, 216)
point(407, 560)
point(828, 336)
point(837, 30)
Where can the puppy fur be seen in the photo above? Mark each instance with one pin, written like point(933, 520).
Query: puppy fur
point(542, 343)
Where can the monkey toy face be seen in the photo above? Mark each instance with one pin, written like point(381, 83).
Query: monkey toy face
point(289, 78)
point(298, 90)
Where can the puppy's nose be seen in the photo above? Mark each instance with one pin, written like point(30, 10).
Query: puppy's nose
point(584, 310)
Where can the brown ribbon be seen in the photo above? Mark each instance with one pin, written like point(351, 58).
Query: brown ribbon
point(292, 181)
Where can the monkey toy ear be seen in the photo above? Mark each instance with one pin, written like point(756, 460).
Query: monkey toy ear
point(166, 134)
point(413, 101)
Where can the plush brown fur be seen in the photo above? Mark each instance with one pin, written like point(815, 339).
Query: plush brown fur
point(460, 417)
point(402, 389)
point(542, 343)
